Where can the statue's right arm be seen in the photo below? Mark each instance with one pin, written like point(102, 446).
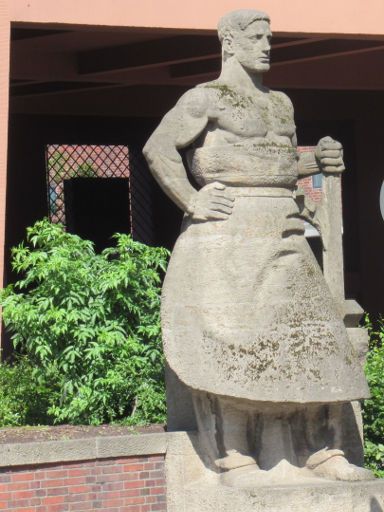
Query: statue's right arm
point(177, 130)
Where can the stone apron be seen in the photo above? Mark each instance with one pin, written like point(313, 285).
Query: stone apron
point(246, 311)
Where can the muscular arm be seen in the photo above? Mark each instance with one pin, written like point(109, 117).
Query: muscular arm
point(178, 129)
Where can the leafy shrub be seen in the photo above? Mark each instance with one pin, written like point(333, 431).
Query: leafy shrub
point(89, 324)
point(373, 411)
point(22, 400)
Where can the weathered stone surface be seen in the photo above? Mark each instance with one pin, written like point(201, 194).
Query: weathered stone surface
point(193, 488)
point(250, 324)
point(319, 497)
point(43, 452)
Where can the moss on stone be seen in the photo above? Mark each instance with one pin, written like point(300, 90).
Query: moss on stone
point(236, 99)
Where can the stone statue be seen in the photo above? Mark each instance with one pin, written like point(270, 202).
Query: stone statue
point(249, 323)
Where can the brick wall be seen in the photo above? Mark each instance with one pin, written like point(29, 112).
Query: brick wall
point(306, 185)
point(128, 484)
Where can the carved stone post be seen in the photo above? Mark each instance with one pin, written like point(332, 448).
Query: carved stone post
point(333, 263)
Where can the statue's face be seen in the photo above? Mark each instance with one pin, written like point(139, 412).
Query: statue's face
point(251, 47)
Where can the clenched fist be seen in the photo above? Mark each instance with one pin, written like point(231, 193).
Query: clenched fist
point(329, 154)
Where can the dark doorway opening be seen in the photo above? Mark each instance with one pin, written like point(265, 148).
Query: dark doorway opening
point(96, 208)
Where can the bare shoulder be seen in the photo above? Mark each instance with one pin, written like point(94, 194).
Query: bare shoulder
point(195, 102)
point(182, 124)
point(280, 98)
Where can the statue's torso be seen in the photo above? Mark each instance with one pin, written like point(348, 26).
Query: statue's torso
point(248, 141)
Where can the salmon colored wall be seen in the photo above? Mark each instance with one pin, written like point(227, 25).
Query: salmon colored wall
point(4, 93)
point(297, 16)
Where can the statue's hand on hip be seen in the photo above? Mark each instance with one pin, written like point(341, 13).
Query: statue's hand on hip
point(329, 154)
point(212, 202)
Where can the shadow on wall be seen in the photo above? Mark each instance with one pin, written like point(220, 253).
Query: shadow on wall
point(375, 506)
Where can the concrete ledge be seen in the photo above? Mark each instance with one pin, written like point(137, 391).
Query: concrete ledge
point(43, 452)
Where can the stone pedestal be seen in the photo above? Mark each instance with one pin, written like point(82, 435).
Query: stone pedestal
point(191, 487)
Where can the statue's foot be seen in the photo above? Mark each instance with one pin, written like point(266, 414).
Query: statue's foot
point(332, 464)
point(234, 460)
point(252, 476)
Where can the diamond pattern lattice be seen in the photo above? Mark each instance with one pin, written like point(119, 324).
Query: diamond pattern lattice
point(66, 161)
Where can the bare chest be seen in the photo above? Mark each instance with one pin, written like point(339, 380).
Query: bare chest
point(254, 117)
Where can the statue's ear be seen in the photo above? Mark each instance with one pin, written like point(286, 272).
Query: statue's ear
point(227, 44)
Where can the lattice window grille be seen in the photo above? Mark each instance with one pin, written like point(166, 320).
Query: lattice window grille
point(66, 161)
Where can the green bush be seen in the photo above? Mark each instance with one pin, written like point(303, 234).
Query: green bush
point(373, 411)
point(89, 325)
point(22, 400)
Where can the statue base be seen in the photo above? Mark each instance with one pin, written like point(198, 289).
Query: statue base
point(192, 487)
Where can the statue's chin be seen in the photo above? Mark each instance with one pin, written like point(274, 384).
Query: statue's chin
point(260, 67)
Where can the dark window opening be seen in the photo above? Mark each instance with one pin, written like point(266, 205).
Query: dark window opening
point(97, 208)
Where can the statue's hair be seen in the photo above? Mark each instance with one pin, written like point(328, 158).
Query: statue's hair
point(239, 20)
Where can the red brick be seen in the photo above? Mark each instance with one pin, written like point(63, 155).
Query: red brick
point(139, 500)
point(25, 509)
point(22, 477)
point(25, 494)
point(158, 506)
point(113, 486)
point(133, 467)
point(35, 501)
point(110, 478)
point(156, 474)
point(130, 476)
point(157, 490)
point(80, 480)
point(83, 505)
point(57, 508)
point(59, 482)
point(113, 503)
point(18, 487)
point(112, 469)
point(133, 484)
point(17, 504)
point(83, 498)
point(78, 489)
point(54, 474)
point(79, 472)
point(57, 491)
point(132, 492)
point(52, 500)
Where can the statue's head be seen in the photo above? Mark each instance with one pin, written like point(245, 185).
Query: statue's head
point(246, 36)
